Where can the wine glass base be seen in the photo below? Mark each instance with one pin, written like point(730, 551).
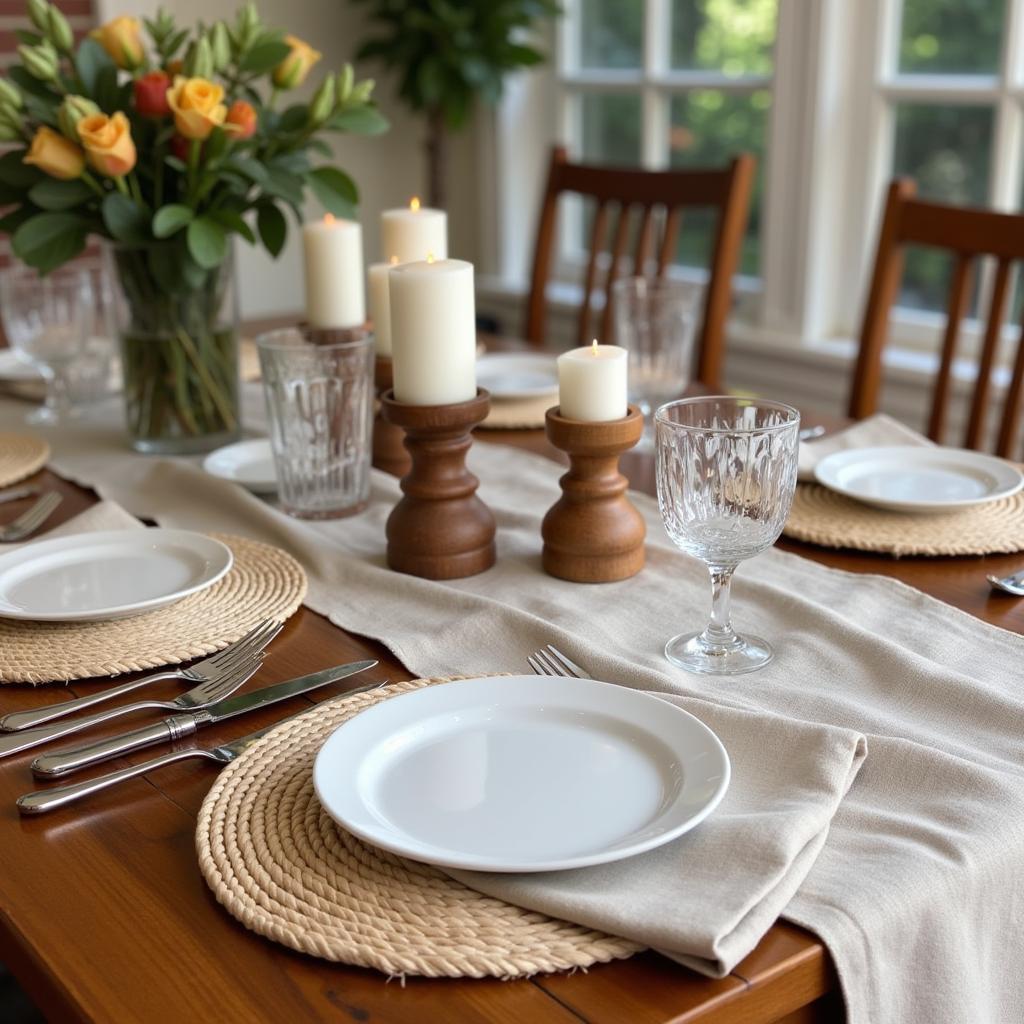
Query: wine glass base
point(44, 416)
point(691, 652)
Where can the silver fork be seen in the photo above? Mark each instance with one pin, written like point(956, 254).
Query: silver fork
point(550, 661)
point(17, 493)
point(206, 671)
point(30, 520)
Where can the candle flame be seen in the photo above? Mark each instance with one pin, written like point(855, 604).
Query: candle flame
point(394, 261)
point(414, 203)
point(593, 348)
point(328, 219)
point(430, 257)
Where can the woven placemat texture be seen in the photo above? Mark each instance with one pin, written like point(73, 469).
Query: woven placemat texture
point(21, 455)
point(821, 516)
point(264, 582)
point(281, 866)
point(518, 413)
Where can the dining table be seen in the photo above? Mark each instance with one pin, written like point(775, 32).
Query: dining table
point(104, 915)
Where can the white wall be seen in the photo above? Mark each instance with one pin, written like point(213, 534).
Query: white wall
point(388, 169)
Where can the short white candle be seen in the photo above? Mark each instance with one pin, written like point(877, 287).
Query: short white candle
point(413, 233)
point(592, 383)
point(433, 332)
point(380, 307)
point(333, 252)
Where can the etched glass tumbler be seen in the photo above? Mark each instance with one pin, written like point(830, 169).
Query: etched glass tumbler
point(320, 411)
point(726, 477)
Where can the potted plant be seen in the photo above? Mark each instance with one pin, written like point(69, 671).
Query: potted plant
point(446, 55)
point(169, 147)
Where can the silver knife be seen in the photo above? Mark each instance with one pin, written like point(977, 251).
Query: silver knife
point(50, 799)
point(177, 727)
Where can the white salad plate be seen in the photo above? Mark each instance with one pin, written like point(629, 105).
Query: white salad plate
point(249, 463)
point(517, 374)
point(919, 478)
point(521, 773)
point(110, 574)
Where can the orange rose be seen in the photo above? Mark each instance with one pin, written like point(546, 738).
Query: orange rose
point(197, 106)
point(108, 143)
point(241, 120)
point(57, 156)
point(122, 39)
point(292, 71)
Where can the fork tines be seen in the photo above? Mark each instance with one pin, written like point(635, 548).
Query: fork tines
point(255, 640)
point(31, 519)
point(550, 661)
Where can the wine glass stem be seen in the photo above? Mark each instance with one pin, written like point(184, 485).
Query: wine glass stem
point(58, 396)
point(719, 633)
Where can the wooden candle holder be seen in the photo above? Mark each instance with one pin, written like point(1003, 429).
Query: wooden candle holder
point(333, 335)
point(389, 451)
point(593, 534)
point(440, 529)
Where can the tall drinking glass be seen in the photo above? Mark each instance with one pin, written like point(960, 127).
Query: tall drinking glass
point(46, 320)
point(320, 411)
point(726, 472)
point(655, 322)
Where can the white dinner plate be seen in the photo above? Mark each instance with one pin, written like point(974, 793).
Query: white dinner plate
point(110, 574)
point(249, 463)
point(517, 374)
point(521, 773)
point(919, 478)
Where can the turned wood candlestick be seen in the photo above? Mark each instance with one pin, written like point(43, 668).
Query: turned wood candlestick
point(593, 534)
point(389, 451)
point(440, 529)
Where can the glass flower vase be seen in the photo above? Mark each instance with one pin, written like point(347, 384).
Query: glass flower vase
point(179, 350)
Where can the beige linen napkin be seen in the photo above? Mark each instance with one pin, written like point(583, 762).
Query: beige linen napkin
point(916, 890)
point(876, 431)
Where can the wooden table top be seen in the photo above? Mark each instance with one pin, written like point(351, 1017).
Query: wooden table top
point(104, 915)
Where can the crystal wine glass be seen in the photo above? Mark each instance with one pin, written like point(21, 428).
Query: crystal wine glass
point(655, 322)
point(46, 320)
point(726, 477)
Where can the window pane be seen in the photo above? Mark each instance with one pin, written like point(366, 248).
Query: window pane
point(734, 36)
point(709, 128)
point(611, 128)
point(947, 150)
point(611, 33)
point(951, 36)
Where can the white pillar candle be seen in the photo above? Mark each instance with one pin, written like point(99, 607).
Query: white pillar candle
point(433, 332)
point(592, 383)
point(333, 252)
point(380, 307)
point(413, 233)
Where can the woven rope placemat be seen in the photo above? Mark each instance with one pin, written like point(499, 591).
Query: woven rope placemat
point(21, 455)
point(264, 582)
point(518, 413)
point(281, 866)
point(823, 517)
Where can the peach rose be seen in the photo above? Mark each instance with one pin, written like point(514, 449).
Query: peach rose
point(292, 71)
point(241, 120)
point(108, 143)
point(197, 106)
point(57, 156)
point(122, 39)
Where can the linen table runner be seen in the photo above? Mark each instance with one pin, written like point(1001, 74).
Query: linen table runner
point(916, 890)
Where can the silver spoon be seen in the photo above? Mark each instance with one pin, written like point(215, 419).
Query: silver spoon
point(1013, 584)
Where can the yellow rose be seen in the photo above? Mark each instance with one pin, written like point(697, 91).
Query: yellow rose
point(108, 143)
point(292, 71)
point(57, 156)
point(197, 106)
point(122, 39)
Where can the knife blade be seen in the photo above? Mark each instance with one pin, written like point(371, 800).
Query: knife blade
point(50, 799)
point(176, 727)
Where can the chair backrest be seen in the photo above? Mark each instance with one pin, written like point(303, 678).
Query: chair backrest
point(968, 234)
point(658, 195)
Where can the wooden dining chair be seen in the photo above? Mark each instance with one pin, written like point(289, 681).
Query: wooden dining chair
point(968, 234)
point(657, 196)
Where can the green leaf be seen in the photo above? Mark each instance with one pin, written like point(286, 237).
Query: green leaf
point(284, 185)
point(264, 57)
point(358, 121)
point(335, 189)
point(10, 222)
point(125, 220)
point(53, 194)
point(207, 242)
point(171, 218)
point(293, 118)
point(28, 84)
point(175, 164)
point(248, 168)
point(41, 110)
point(14, 171)
point(106, 91)
point(28, 38)
point(233, 221)
point(90, 60)
point(273, 228)
point(43, 232)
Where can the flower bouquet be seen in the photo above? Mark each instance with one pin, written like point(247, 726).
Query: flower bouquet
point(169, 148)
